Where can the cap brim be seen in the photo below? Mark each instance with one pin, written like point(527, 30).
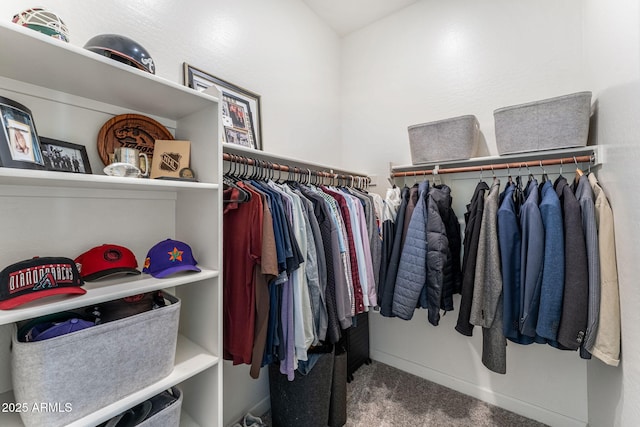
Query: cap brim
point(23, 299)
point(111, 272)
point(173, 270)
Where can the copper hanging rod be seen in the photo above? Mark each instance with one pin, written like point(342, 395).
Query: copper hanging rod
point(285, 168)
point(548, 162)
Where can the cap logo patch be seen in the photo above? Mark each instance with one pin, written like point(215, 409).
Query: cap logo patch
point(112, 255)
point(47, 282)
point(175, 255)
point(41, 277)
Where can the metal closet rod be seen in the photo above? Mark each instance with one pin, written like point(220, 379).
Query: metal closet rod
point(294, 169)
point(481, 168)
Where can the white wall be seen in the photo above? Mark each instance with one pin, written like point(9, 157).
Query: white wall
point(278, 49)
point(613, 62)
point(430, 61)
point(435, 60)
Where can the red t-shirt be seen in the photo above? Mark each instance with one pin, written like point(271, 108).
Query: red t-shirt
point(242, 251)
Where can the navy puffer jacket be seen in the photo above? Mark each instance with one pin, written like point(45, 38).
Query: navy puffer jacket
point(412, 271)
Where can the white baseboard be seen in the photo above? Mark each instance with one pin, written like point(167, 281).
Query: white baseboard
point(509, 403)
point(258, 409)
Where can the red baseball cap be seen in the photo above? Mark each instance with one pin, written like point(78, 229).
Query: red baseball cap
point(106, 260)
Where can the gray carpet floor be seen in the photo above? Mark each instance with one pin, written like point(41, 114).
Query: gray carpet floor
point(383, 396)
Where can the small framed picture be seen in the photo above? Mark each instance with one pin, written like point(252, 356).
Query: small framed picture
point(20, 146)
point(64, 156)
point(240, 108)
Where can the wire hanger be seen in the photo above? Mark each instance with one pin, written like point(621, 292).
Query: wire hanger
point(579, 172)
point(544, 173)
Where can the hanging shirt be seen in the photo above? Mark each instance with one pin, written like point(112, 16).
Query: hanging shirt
point(267, 272)
point(303, 316)
point(242, 252)
point(357, 302)
point(315, 270)
point(335, 279)
point(365, 262)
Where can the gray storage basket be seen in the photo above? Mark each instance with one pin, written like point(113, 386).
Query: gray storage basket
point(94, 367)
point(561, 122)
point(169, 416)
point(450, 139)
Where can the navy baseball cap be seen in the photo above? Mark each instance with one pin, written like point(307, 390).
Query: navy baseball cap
point(168, 257)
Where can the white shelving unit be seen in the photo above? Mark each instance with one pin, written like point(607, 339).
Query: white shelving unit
point(71, 92)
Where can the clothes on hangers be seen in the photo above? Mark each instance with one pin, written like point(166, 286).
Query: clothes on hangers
point(584, 194)
point(510, 242)
point(427, 273)
point(573, 322)
point(552, 287)
point(531, 259)
point(297, 258)
point(538, 265)
point(412, 269)
point(387, 292)
point(472, 219)
point(606, 346)
point(486, 306)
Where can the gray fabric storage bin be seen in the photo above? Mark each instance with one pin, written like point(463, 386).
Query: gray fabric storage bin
point(168, 417)
point(94, 367)
point(549, 124)
point(450, 139)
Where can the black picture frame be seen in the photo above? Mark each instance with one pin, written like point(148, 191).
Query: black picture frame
point(64, 156)
point(19, 141)
point(240, 107)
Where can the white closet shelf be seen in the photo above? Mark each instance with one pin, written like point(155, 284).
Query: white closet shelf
point(190, 360)
point(39, 178)
point(100, 291)
point(594, 150)
point(119, 84)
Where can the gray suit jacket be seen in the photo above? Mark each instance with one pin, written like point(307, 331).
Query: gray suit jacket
point(584, 194)
point(486, 307)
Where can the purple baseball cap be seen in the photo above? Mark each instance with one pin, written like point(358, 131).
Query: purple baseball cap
point(168, 257)
point(44, 331)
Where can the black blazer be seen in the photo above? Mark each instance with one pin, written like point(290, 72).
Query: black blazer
point(472, 220)
point(573, 322)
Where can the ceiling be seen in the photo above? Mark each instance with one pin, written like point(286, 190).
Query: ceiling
point(345, 16)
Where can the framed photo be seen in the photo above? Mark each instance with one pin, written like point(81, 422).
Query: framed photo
point(19, 142)
point(64, 156)
point(240, 108)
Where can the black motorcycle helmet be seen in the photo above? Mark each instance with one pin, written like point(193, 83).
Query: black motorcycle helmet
point(122, 49)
